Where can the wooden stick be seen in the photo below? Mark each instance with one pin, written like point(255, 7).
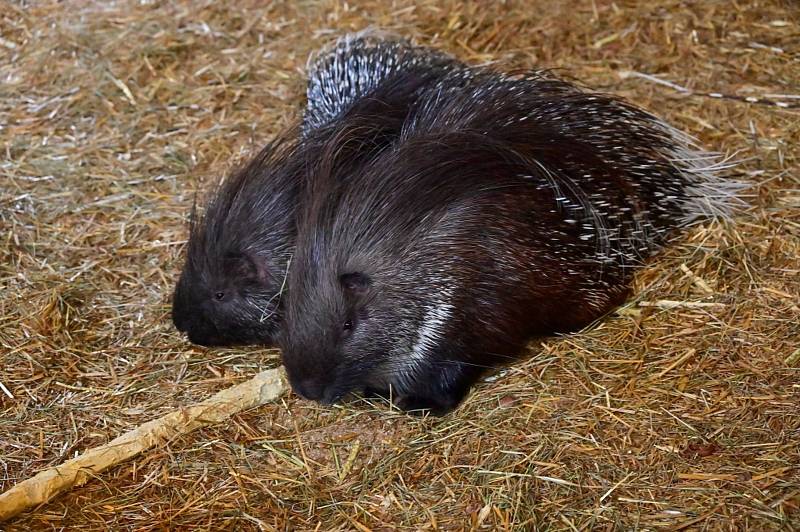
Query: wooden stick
point(264, 387)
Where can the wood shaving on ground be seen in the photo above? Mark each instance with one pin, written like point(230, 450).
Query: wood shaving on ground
point(263, 388)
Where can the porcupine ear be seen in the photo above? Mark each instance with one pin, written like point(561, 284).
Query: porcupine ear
point(356, 283)
point(246, 266)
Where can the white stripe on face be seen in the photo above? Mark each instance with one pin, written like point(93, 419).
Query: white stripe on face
point(431, 328)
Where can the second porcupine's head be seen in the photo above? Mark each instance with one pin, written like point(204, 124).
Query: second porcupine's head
point(229, 292)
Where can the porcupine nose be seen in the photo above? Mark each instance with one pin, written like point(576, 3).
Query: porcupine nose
point(309, 388)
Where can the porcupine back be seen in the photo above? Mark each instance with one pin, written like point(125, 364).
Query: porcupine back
point(509, 206)
point(623, 176)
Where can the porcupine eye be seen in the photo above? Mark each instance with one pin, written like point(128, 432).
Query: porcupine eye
point(348, 325)
point(219, 296)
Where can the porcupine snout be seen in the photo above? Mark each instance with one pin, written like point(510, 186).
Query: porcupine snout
point(309, 388)
point(311, 378)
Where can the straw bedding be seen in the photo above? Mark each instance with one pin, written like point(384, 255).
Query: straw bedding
point(680, 411)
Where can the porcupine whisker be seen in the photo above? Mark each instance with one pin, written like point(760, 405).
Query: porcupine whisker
point(278, 294)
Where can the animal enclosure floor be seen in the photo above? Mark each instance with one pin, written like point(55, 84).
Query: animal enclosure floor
point(680, 411)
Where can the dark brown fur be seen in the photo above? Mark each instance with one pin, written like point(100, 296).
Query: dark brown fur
point(508, 208)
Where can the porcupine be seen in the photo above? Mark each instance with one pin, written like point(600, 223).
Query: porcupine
point(510, 207)
point(229, 291)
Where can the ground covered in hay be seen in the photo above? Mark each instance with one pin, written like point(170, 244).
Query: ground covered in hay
point(681, 411)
